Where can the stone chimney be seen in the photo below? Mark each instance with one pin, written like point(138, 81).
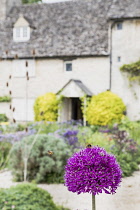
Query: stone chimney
point(6, 5)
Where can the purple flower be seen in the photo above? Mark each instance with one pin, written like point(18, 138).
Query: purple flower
point(15, 137)
point(70, 137)
point(92, 170)
point(105, 131)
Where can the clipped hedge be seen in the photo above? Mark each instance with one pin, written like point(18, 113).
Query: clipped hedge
point(104, 109)
point(5, 99)
point(46, 107)
point(46, 162)
point(26, 197)
point(3, 118)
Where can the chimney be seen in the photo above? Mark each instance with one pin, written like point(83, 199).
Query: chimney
point(6, 6)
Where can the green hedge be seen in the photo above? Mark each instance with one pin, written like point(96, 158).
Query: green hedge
point(5, 99)
point(3, 118)
point(26, 197)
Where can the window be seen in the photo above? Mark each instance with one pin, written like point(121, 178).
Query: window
point(20, 68)
point(119, 26)
point(68, 66)
point(25, 32)
point(21, 34)
point(18, 32)
point(119, 59)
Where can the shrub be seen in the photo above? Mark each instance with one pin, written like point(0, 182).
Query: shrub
point(28, 197)
point(46, 127)
point(43, 165)
point(128, 163)
point(46, 107)
point(71, 138)
point(98, 139)
point(3, 118)
point(5, 99)
point(105, 108)
point(5, 148)
point(127, 151)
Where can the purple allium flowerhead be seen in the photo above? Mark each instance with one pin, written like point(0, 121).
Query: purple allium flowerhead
point(92, 170)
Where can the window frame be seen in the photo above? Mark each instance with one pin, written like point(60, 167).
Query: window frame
point(119, 26)
point(65, 66)
point(21, 37)
point(119, 59)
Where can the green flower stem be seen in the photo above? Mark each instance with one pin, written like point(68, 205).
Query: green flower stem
point(93, 202)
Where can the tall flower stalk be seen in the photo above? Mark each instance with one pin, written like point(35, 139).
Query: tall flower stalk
point(26, 154)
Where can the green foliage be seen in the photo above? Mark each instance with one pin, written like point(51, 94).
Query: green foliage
point(42, 167)
point(3, 118)
point(46, 127)
point(5, 99)
point(132, 127)
point(30, 1)
point(128, 163)
point(126, 124)
point(126, 150)
point(84, 102)
point(46, 107)
point(5, 148)
point(104, 109)
point(26, 197)
point(100, 139)
point(133, 70)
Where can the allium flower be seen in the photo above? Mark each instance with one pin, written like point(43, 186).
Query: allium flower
point(92, 170)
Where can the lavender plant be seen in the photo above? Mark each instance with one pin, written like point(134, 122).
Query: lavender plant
point(70, 137)
point(17, 136)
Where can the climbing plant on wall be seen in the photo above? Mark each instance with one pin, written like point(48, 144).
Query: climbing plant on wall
point(132, 70)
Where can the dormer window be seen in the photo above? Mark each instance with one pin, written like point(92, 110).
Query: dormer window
point(21, 30)
point(21, 34)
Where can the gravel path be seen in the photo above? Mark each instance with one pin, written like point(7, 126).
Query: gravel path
point(126, 198)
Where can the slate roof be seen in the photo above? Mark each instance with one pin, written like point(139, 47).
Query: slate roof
point(124, 9)
point(74, 28)
point(79, 84)
point(83, 88)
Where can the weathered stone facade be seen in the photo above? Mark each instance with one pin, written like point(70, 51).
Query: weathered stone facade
point(83, 32)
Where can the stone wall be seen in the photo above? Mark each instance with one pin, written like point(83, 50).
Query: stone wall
point(50, 76)
point(6, 5)
point(4, 109)
point(126, 45)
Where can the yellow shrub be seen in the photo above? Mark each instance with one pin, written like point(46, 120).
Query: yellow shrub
point(46, 107)
point(104, 109)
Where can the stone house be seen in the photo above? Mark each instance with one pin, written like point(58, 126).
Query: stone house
point(76, 47)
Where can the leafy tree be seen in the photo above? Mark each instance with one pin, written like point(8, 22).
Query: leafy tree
point(30, 1)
